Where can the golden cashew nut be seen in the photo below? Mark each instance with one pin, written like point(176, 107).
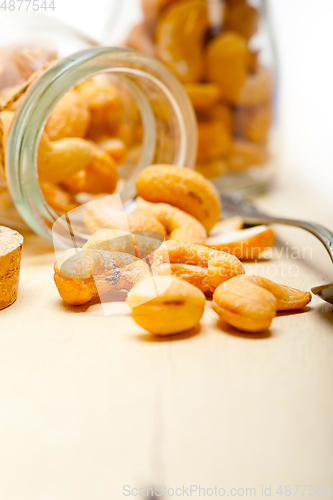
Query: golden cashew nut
point(221, 112)
point(178, 308)
point(113, 240)
point(254, 123)
point(57, 197)
point(106, 108)
point(69, 118)
point(212, 168)
point(245, 154)
point(183, 188)
point(58, 160)
point(227, 64)
point(245, 243)
point(100, 215)
point(98, 94)
point(214, 140)
point(114, 147)
point(242, 18)
point(201, 266)
point(100, 175)
point(249, 303)
point(203, 95)
point(257, 89)
point(178, 224)
point(82, 275)
point(179, 39)
point(225, 226)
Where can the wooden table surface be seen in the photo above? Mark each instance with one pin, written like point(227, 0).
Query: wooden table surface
point(90, 403)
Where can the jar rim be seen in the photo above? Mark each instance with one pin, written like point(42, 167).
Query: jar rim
point(41, 97)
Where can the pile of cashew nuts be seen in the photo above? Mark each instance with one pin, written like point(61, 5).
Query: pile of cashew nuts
point(92, 131)
point(208, 46)
point(177, 245)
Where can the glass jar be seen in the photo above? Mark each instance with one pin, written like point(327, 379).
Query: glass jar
point(223, 53)
point(167, 122)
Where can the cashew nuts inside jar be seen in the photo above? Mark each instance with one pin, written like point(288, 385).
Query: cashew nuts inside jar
point(222, 51)
point(81, 126)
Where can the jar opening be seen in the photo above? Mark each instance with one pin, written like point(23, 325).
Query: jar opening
point(151, 95)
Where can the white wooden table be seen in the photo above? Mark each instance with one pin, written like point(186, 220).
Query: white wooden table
point(89, 403)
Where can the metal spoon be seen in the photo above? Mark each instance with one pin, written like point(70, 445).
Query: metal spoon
point(234, 205)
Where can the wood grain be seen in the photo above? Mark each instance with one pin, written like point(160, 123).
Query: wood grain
point(91, 403)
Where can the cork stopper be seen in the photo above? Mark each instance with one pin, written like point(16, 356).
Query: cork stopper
point(10, 264)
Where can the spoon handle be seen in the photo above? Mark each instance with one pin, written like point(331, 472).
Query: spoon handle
point(233, 205)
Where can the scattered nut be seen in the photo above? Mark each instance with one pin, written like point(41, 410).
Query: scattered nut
point(101, 215)
point(201, 266)
point(245, 243)
point(178, 224)
point(85, 274)
point(183, 188)
point(165, 306)
point(245, 305)
point(226, 226)
point(249, 303)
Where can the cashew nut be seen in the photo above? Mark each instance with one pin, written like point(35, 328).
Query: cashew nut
point(227, 64)
point(242, 18)
point(249, 303)
point(245, 154)
point(82, 275)
point(244, 244)
point(177, 308)
point(182, 188)
point(57, 197)
point(201, 266)
point(179, 38)
point(100, 176)
point(178, 224)
point(69, 118)
point(100, 215)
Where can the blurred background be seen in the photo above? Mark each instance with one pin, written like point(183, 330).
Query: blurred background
point(304, 39)
point(83, 412)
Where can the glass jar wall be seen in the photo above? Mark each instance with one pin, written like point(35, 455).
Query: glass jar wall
point(135, 113)
point(222, 52)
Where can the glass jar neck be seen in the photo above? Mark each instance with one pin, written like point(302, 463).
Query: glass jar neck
point(157, 92)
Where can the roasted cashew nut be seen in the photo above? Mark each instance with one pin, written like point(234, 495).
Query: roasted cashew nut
point(201, 266)
point(178, 224)
point(179, 39)
point(69, 118)
point(165, 306)
point(100, 215)
point(250, 303)
point(183, 188)
point(82, 275)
